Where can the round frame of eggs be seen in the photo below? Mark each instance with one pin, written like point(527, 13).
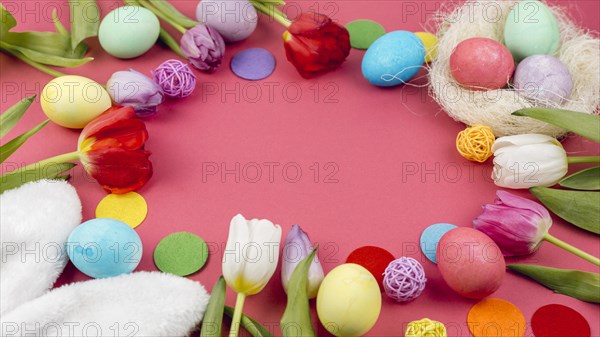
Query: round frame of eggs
point(578, 50)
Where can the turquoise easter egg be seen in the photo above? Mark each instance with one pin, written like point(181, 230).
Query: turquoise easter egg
point(531, 29)
point(393, 59)
point(128, 31)
point(104, 247)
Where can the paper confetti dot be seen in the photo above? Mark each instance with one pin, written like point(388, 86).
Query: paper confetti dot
point(130, 208)
point(493, 317)
point(431, 237)
point(374, 259)
point(253, 64)
point(181, 254)
point(364, 32)
point(556, 320)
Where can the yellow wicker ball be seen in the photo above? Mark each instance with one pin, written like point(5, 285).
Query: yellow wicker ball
point(425, 328)
point(475, 143)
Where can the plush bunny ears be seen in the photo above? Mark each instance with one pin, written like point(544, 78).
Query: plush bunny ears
point(35, 221)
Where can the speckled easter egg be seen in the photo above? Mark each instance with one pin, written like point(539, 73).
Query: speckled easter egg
point(470, 262)
point(531, 29)
point(481, 64)
point(235, 20)
point(128, 31)
point(73, 101)
point(543, 78)
point(104, 247)
point(393, 59)
point(349, 301)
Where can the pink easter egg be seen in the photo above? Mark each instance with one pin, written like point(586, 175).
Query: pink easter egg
point(482, 64)
point(470, 262)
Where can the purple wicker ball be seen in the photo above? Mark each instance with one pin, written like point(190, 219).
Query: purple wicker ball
point(404, 279)
point(175, 78)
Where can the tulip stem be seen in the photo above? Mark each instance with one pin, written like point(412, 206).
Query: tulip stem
point(237, 315)
point(271, 11)
point(63, 158)
point(146, 4)
point(557, 242)
point(583, 159)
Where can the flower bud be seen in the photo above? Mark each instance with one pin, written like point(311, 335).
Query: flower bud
point(204, 47)
point(134, 89)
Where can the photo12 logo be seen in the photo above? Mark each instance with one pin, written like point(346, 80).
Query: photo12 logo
point(271, 172)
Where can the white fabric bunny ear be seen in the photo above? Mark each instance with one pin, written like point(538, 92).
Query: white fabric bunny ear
point(35, 221)
point(138, 304)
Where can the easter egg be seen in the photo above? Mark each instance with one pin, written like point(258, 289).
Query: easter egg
point(481, 64)
point(128, 31)
point(104, 247)
point(531, 29)
point(470, 262)
point(393, 59)
point(235, 20)
point(74, 101)
point(349, 301)
point(430, 42)
point(543, 78)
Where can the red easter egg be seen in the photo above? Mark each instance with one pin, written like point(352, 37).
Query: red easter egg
point(374, 259)
point(482, 64)
point(470, 262)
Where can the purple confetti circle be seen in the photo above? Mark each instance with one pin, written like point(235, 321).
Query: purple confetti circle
point(253, 64)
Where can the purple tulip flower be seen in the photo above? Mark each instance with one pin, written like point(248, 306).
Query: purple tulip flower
point(296, 248)
point(204, 47)
point(518, 225)
point(131, 88)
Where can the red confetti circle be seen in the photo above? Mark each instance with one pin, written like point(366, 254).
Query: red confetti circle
point(374, 259)
point(556, 320)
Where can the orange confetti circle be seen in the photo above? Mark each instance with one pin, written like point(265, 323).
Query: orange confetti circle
point(494, 317)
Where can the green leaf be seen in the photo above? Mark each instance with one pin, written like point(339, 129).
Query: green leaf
point(213, 317)
point(60, 28)
point(11, 116)
point(296, 318)
point(588, 180)
point(586, 125)
point(252, 326)
point(580, 208)
point(46, 43)
point(43, 58)
point(85, 19)
point(167, 9)
point(7, 21)
point(577, 284)
point(9, 148)
point(15, 179)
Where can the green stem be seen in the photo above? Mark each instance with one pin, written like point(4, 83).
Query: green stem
point(63, 158)
point(146, 4)
point(583, 159)
point(237, 315)
point(167, 39)
point(571, 249)
point(272, 12)
point(36, 65)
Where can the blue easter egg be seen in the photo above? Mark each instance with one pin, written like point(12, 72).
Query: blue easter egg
point(393, 59)
point(104, 247)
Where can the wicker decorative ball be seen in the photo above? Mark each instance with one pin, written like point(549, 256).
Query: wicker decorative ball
point(404, 279)
point(175, 78)
point(475, 143)
point(425, 328)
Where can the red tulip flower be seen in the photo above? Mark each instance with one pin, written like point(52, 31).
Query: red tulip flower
point(315, 44)
point(111, 149)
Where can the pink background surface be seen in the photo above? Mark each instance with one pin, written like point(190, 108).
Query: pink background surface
point(363, 139)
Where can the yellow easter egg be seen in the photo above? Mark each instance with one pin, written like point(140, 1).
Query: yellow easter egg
point(74, 101)
point(430, 42)
point(349, 301)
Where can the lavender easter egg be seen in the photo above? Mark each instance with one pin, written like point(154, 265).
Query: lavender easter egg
point(481, 64)
point(543, 78)
point(470, 262)
point(235, 20)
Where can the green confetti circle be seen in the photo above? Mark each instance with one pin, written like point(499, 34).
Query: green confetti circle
point(364, 32)
point(181, 254)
